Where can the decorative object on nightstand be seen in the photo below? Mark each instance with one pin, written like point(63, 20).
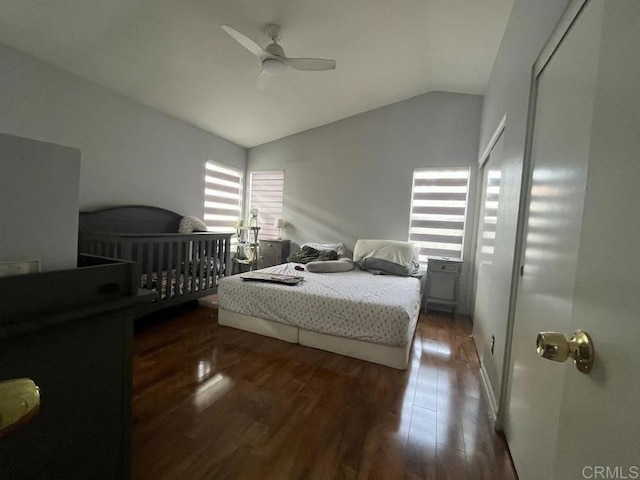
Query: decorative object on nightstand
point(279, 224)
point(443, 279)
point(273, 252)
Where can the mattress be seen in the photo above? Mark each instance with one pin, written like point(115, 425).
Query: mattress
point(358, 305)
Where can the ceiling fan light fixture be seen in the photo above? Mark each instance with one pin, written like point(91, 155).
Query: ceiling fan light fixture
point(273, 66)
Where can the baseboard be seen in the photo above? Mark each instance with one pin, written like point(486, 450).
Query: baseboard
point(435, 307)
point(492, 399)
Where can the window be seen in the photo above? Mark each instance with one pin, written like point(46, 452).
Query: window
point(222, 197)
point(266, 192)
point(438, 211)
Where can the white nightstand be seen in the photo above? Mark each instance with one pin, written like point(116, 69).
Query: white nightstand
point(443, 279)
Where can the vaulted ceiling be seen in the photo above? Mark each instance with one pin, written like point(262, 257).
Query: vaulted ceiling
point(173, 56)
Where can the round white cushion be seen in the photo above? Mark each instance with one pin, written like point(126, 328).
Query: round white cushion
point(331, 266)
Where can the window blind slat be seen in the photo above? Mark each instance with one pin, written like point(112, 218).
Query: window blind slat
point(449, 239)
point(270, 200)
point(441, 196)
point(415, 223)
point(434, 252)
point(438, 211)
point(223, 173)
point(211, 199)
point(266, 176)
point(267, 195)
point(222, 188)
point(223, 198)
point(441, 182)
point(276, 182)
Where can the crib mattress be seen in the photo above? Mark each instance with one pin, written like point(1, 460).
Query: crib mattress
point(358, 305)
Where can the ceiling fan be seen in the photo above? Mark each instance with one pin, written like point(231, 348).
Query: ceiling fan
point(272, 57)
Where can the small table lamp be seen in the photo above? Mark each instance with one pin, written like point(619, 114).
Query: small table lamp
point(279, 224)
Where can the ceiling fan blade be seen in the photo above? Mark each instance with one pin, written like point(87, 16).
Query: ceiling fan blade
point(263, 80)
point(245, 41)
point(311, 64)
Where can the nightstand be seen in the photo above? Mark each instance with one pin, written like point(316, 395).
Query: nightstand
point(443, 279)
point(273, 252)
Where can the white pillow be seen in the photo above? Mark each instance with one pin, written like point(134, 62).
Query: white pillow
point(393, 251)
point(191, 224)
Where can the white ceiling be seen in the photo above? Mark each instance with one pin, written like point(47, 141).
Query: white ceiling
point(173, 56)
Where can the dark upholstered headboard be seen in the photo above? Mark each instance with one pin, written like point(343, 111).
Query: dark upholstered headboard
point(130, 219)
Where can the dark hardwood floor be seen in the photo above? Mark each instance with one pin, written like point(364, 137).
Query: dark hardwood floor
point(212, 402)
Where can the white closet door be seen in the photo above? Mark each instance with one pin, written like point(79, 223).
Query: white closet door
point(581, 265)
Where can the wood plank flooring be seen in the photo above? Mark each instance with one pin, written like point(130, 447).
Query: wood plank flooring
point(212, 402)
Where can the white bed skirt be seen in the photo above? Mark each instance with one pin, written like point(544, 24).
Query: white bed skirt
point(258, 325)
point(395, 357)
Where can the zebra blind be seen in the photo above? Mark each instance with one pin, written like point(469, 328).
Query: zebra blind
point(438, 211)
point(222, 197)
point(266, 193)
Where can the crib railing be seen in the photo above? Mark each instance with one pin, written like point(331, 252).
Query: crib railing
point(178, 267)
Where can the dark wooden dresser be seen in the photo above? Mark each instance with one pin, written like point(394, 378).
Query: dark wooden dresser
point(71, 333)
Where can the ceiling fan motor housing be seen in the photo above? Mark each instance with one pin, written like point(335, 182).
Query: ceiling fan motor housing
point(275, 49)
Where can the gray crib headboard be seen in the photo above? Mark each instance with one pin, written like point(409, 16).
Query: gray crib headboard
point(130, 219)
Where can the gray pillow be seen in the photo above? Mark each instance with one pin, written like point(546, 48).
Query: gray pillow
point(379, 266)
point(331, 266)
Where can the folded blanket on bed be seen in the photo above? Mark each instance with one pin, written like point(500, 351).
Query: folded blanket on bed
point(309, 254)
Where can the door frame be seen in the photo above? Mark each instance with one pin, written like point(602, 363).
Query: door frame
point(566, 21)
point(482, 159)
point(482, 162)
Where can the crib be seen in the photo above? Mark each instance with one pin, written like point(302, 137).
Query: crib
point(177, 267)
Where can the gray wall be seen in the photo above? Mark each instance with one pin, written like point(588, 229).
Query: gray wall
point(131, 154)
point(352, 178)
point(528, 29)
point(39, 198)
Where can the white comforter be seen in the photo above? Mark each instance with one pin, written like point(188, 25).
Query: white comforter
point(376, 308)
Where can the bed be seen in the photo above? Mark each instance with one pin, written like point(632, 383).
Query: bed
point(355, 313)
point(179, 267)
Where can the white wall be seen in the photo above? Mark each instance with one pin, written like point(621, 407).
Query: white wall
point(352, 178)
point(131, 154)
point(528, 29)
point(39, 197)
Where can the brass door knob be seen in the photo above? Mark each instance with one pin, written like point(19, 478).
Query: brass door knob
point(554, 346)
point(19, 401)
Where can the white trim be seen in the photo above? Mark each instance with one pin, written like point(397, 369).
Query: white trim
point(562, 27)
point(492, 141)
point(499, 131)
point(492, 398)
